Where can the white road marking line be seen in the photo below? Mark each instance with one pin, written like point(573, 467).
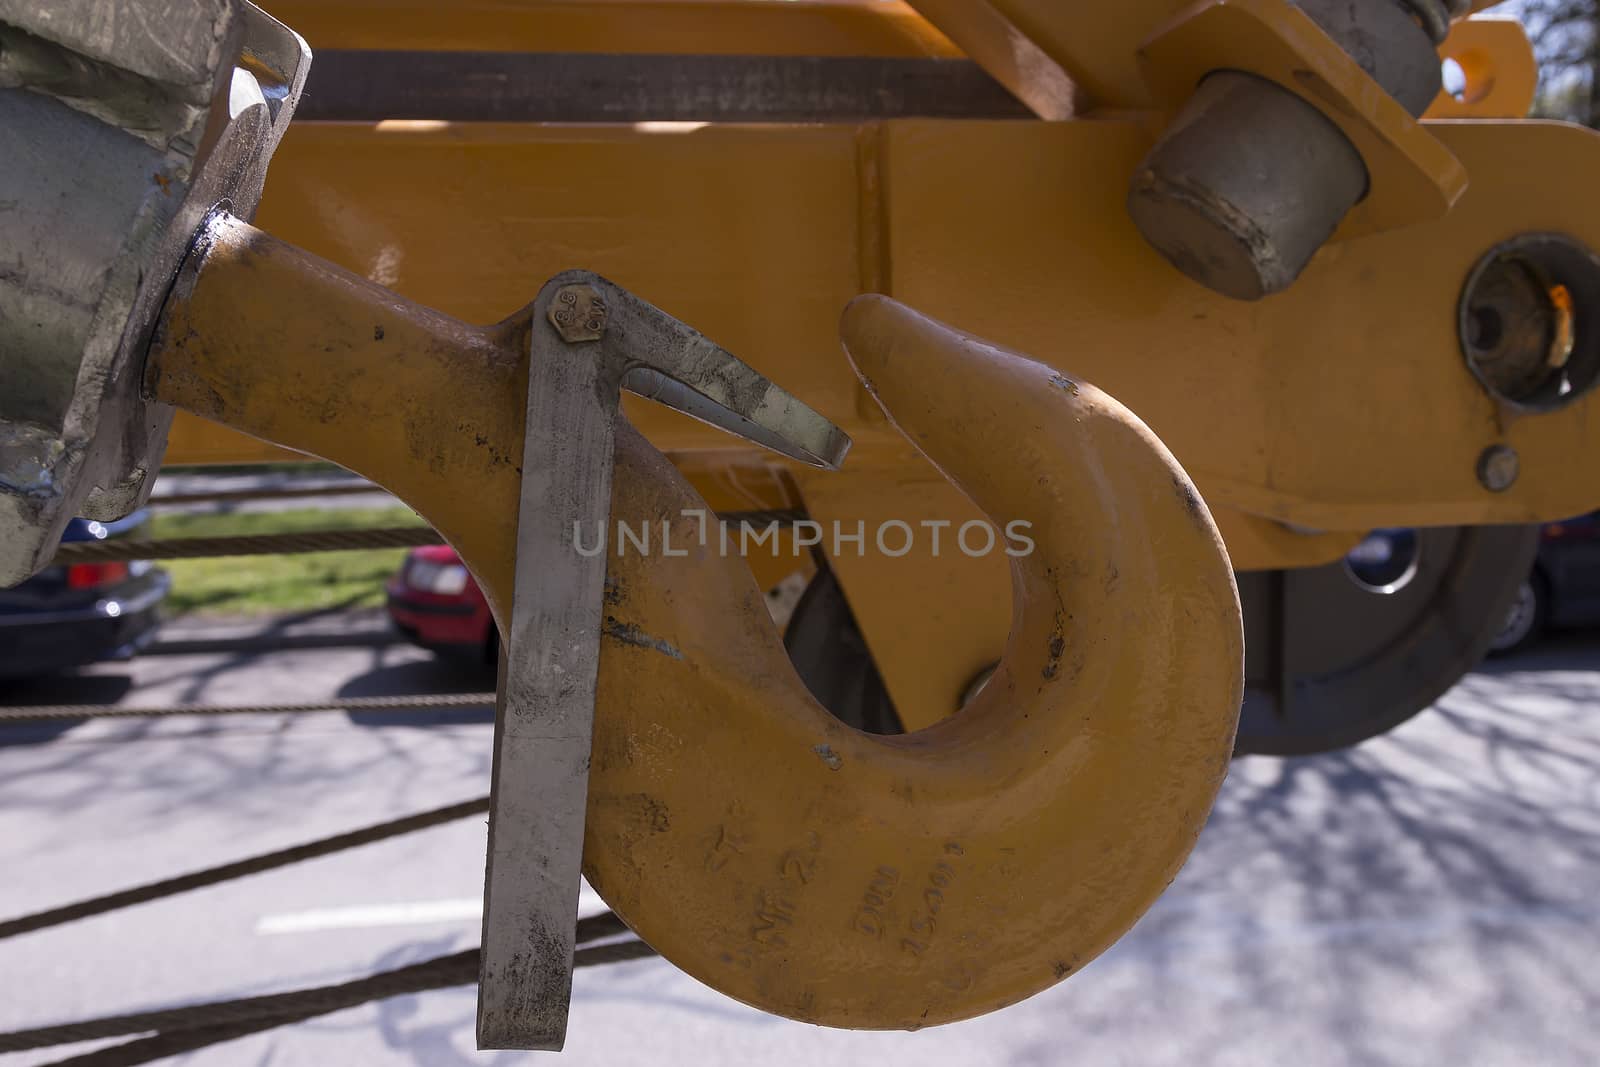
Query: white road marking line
point(368, 915)
point(413, 913)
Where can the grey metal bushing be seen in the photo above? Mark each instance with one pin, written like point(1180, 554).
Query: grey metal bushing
point(1250, 180)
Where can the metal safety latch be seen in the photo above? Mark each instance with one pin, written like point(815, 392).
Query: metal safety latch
point(589, 341)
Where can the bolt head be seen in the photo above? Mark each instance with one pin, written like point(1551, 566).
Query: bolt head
point(1498, 467)
point(578, 313)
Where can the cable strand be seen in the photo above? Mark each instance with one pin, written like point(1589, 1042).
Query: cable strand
point(197, 1026)
point(167, 887)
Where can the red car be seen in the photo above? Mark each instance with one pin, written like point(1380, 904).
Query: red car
point(435, 603)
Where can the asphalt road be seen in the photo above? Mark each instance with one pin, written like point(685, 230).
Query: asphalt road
point(1426, 899)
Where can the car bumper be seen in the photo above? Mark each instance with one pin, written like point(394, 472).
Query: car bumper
point(113, 627)
point(441, 625)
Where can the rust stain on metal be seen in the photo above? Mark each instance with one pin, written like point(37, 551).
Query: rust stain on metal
point(1057, 645)
point(1191, 499)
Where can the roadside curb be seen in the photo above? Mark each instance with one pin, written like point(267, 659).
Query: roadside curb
point(190, 636)
point(267, 642)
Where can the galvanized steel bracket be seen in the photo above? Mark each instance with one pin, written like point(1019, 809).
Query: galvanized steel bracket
point(122, 124)
point(589, 340)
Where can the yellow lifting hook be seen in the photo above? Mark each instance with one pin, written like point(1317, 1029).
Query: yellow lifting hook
point(774, 853)
point(896, 882)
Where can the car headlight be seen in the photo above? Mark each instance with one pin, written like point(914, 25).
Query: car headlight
point(446, 579)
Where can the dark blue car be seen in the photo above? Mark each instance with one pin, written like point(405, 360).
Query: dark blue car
point(83, 612)
point(1564, 588)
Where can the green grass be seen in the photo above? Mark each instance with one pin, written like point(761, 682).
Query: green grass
point(261, 585)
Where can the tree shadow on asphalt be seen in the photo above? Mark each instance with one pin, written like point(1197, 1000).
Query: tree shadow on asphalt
point(78, 687)
point(1472, 824)
point(436, 676)
point(1470, 833)
point(266, 758)
point(96, 689)
point(442, 675)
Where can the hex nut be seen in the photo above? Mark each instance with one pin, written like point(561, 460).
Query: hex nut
point(1498, 467)
point(578, 313)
